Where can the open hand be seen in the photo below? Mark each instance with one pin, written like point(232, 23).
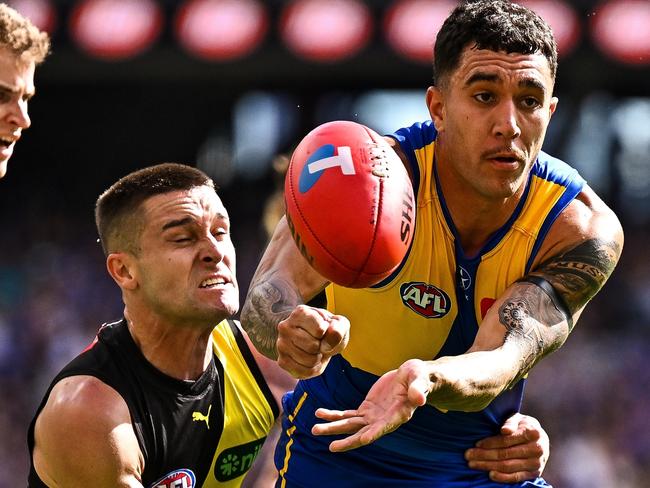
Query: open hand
point(389, 403)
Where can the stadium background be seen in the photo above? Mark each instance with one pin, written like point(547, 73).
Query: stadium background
point(126, 99)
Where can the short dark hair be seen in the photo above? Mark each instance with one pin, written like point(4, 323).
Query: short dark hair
point(117, 211)
point(21, 37)
point(497, 25)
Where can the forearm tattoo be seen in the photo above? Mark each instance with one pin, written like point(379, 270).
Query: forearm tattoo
point(533, 323)
point(531, 318)
point(269, 302)
point(578, 274)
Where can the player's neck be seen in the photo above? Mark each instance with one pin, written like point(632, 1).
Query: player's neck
point(475, 216)
point(182, 352)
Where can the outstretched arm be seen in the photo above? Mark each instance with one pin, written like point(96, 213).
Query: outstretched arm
point(301, 338)
point(531, 319)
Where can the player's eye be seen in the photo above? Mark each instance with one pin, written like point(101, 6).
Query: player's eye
point(220, 232)
point(530, 102)
point(484, 97)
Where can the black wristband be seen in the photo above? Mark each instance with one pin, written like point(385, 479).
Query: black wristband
point(555, 297)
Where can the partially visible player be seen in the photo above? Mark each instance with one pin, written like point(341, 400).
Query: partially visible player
point(22, 48)
point(510, 245)
point(172, 394)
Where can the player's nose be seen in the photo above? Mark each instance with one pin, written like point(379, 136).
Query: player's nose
point(212, 250)
point(506, 123)
point(19, 115)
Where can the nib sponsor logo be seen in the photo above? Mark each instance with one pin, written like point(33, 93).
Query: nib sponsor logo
point(425, 299)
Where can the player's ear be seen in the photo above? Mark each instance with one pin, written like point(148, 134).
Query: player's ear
point(553, 105)
point(121, 267)
point(435, 103)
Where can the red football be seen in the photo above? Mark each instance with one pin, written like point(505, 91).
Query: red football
point(350, 205)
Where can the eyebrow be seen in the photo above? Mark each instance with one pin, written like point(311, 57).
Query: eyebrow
point(528, 82)
point(189, 220)
point(177, 223)
point(13, 90)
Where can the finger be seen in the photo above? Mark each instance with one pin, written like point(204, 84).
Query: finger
point(299, 339)
point(336, 336)
point(531, 451)
point(418, 391)
point(512, 477)
point(365, 436)
point(521, 436)
point(298, 355)
point(330, 415)
point(343, 426)
point(509, 466)
point(511, 424)
point(310, 319)
point(299, 371)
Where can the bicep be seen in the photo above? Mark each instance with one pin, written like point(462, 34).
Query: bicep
point(584, 247)
point(84, 437)
point(534, 316)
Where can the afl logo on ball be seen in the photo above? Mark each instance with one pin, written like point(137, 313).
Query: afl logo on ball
point(181, 478)
point(323, 158)
point(425, 299)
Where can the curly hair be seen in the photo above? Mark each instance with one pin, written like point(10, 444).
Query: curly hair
point(21, 37)
point(497, 25)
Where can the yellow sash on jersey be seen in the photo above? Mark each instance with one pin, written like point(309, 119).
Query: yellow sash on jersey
point(248, 417)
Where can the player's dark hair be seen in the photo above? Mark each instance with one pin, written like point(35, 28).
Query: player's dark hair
point(117, 211)
point(497, 25)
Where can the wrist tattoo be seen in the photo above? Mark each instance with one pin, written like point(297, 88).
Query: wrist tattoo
point(533, 323)
point(268, 303)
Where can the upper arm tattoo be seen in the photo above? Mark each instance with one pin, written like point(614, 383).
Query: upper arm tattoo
point(269, 302)
point(578, 274)
point(533, 320)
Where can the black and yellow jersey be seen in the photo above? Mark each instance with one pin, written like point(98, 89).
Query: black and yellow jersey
point(202, 433)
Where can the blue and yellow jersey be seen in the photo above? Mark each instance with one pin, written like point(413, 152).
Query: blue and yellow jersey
point(433, 304)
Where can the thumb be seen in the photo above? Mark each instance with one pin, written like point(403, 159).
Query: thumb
point(511, 425)
point(419, 390)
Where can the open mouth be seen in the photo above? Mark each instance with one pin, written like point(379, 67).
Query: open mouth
point(4, 143)
point(506, 159)
point(212, 283)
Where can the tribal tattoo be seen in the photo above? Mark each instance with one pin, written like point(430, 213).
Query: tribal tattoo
point(578, 274)
point(531, 318)
point(268, 303)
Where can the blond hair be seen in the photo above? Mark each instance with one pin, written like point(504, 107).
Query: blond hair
point(22, 38)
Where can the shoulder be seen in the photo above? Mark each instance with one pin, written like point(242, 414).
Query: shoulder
point(586, 221)
point(83, 436)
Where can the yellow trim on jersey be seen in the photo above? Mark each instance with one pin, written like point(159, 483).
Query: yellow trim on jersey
point(248, 417)
point(290, 431)
point(410, 317)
